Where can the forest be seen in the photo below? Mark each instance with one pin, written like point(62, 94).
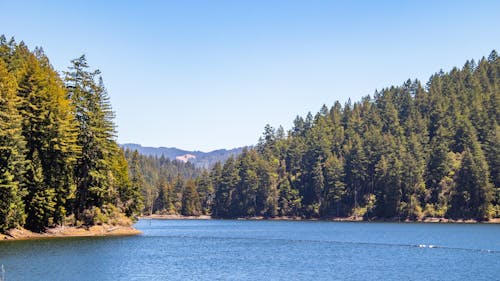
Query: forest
point(59, 161)
point(409, 152)
point(166, 184)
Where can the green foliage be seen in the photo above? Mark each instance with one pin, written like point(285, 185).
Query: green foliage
point(159, 183)
point(95, 134)
point(58, 156)
point(407, 153)
point(102, 175)
point(190, 200)
point(40, 200)
point(206, 190)
point(107, 214)
point(130, 192)
point(12, 149)
point(49, 131)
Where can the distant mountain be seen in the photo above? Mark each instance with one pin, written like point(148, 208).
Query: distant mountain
point(198, 158)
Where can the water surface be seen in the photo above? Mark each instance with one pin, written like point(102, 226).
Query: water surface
point(264, 250)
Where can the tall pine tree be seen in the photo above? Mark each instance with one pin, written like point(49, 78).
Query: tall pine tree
point(12, 146)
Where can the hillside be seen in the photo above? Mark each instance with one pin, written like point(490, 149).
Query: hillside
point(198, 158)
point(410, 152)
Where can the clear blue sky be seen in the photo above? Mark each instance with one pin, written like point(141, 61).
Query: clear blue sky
point(210, 74)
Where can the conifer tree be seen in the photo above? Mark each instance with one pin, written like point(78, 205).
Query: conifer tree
point(40, 200)
point(190, 200)
point(335, 186)
point(126, 187)
point(163, 203)
point(49, 131)
point(95, 134)
point(205, 188)
point(228, 180)
point(12, 146)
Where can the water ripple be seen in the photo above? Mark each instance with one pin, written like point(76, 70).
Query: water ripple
point(426, 246)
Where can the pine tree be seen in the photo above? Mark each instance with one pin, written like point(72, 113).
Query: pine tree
point(190, 200)
point(127, 187)
point(177, 193)
point(40, 200)
point(267, 192)
point(244, 199)
point(163, 203)
point(49, 131)
point(205, 188)
point(12, 147)
point(95, 135)
point(356, 171)
point(225, 186)
point(474, 191)
point(289, 201)
point(335, 186)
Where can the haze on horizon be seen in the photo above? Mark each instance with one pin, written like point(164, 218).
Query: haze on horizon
point(204, 75)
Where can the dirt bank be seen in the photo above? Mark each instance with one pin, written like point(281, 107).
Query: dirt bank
point(176, 217)
point(337, 219)
point(70, 231)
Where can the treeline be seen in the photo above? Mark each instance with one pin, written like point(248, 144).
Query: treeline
point(408, 152)
point(168, 186)
point(59, 161)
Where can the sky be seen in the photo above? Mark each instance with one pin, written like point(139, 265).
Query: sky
point(204, 75)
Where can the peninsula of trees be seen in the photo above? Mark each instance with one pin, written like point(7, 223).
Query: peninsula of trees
point(59, 161)
point(409, 152)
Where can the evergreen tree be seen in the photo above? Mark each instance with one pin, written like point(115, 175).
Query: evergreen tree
point(53, 139)
point(244, 197)
point(229, 178)
point(49, 131)
point(12, 146)
point(129, 186)
point(205, 192)
point(398, 155)
point(335, 186)
point(95, 134)
point(163, 203)
point(190, 200)
point(178, 192)
point(289, 201)
point(40, 200)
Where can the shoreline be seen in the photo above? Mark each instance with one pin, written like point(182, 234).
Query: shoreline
point(331, 219)
point(125, 230)
point(175, 217)
point(70, 231)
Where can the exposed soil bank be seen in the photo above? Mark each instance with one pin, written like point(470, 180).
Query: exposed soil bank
point(112, 230)
point(70, 231)
point(176, 217)
point(339, 219)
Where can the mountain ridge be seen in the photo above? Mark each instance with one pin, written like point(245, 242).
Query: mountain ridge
point(201, 159)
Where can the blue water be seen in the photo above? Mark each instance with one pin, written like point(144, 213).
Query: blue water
point(264, 250)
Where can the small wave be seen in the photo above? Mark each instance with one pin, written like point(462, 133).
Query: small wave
point(426, 246)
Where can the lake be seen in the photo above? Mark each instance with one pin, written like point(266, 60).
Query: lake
point(264, 250)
